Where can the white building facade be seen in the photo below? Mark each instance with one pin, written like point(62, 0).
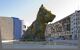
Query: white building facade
point(75, 25)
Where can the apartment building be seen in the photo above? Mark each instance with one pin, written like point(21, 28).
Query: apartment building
point(59, 29)
point(75, 24)
point(66, 28)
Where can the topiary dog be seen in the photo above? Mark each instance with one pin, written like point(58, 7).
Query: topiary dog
point(36, 31)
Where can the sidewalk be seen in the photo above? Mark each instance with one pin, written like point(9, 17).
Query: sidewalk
point(28, 45)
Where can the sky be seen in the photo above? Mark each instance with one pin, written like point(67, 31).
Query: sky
point(27, 10)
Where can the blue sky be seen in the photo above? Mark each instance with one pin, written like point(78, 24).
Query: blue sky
point(27, 10)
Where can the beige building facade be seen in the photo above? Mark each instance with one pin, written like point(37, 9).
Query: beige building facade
point(6, 26)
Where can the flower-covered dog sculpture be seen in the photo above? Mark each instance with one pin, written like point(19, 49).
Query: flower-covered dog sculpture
point(36, 31)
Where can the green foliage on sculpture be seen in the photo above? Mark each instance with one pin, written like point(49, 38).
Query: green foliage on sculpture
point(36, 32)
